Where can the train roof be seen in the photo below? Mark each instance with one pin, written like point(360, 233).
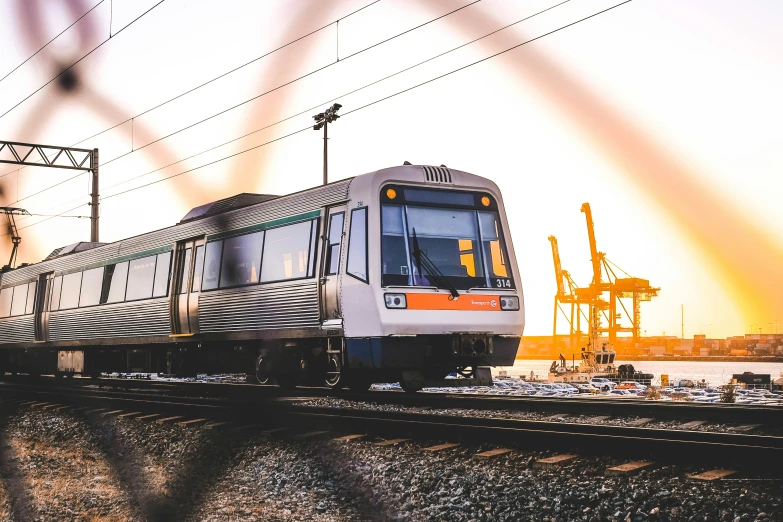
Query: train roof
point(220, 206)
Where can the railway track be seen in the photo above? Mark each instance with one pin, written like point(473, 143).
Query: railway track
point(728, 449)
point(598, 406)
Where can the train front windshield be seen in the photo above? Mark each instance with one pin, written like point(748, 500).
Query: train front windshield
point(440, 238)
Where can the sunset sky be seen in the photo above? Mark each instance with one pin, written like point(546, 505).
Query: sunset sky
point(663, 114)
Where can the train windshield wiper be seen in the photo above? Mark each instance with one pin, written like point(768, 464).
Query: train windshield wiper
point(424, 263)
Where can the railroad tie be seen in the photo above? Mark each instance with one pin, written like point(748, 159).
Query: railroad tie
point(441, 447)
point(597, 418)
point(640, 422)
point(90, 412)
point(113, 412)
point(164, 420)
point(191, 422)
point(47, 406)
point(554, 418)
point(492, 453)
point(713, 474)
point(148, 417)
point(37, 404)
point(745, 428)
point(628, 468)
point(692, 424)
point(391, 442)
point(310, 435)
point(272, 431)
point(130, 414)
point(347, 438)
point(553, 462)
point(212, 425)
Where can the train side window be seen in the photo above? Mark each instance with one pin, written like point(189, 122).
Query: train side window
point(184, 271)
point(357, 245)
point(92, 280)
point(161, 286)
point(198, 268)
point(5, 301)
point(313, 238)
point(69, 297)
point(212, 265)
point(141, 273)
point(56, 288)
point(30, 308)
point(19, 300)
point(286, 252)
point(114, 283)
point(241, 260)
point(333, 243)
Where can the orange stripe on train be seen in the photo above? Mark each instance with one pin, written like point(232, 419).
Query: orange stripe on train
point(489, 303)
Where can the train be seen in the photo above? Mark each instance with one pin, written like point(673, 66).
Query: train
point(406, 274)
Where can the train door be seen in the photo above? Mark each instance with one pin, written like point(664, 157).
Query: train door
point(330, 266)
point(43, 291)
point(186, 285)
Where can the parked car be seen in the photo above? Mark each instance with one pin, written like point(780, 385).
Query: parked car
point(602, 383)
point(621, 393)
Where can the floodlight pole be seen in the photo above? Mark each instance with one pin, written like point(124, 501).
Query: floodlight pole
point(323, 119)
point(326, 161)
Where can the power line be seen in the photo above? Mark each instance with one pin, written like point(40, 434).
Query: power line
point(311, 108)
point(376, 101)
point(363, 106)
point(79, 60)
point(250, 99)
point(50, 41)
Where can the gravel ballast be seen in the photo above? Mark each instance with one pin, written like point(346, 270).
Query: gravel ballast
point(76, 467)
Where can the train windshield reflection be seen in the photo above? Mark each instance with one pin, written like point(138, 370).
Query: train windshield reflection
point(466, 246)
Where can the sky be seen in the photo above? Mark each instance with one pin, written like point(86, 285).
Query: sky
point(662, 114)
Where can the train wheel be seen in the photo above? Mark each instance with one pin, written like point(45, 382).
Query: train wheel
point(262, 373)
point(334, 372)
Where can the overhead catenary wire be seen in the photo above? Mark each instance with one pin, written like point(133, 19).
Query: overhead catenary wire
point(50, 41)
point(245, 102)
point(310, 108)
point(431, 80)
point(79, 60)
point(374, 102)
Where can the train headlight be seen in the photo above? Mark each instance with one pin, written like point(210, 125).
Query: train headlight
point(395, 301)
point(510, 302)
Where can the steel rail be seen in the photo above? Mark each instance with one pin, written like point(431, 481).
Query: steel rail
point(660, 410)
point(755, 452)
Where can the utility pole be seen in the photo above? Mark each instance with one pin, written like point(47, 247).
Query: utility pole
point(94, 199)
point(323, 119)
point(682, 318)
point(52, 156)
point(15, 237)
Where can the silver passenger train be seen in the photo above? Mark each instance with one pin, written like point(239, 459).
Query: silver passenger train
point(404, 274)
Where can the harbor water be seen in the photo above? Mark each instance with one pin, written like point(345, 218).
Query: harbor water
point(714, 373)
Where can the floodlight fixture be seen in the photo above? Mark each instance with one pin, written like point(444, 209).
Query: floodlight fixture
point(322, 119)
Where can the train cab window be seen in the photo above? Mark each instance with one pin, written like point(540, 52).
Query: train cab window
point(114, 283)
point(494, 250)
point(357, 245)
point(212, 265)
point(30, 308)
point(92, 281)
point(286, 252)
point(394, 268)
point(161, 286)
point(241, 260)
point(69, 297)
point(6, 295)
point(19, 300)
point(333, 244)
point(141, 274)
point(56, 290)
point(198, 268)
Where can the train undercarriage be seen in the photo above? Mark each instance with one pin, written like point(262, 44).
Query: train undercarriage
point(336, 362)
